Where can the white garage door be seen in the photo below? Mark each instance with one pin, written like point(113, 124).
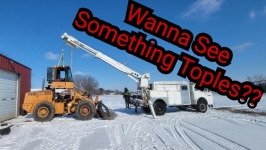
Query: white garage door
point(8, 95)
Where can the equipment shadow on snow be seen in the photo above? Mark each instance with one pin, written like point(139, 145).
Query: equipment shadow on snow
point(128, 111)
point(139, 110)
point(73, 116)
point(175, 110)
point(112, 116)
point(29, 115)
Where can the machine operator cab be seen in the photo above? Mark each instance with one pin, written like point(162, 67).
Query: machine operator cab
point(60, 77)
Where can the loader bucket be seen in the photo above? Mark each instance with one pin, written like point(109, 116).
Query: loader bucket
point(102, 111)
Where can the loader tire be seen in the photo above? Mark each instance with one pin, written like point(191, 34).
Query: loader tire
point(85, 110)
point(159, 108)
point(201, 106)
point(43, 111)
point(146, 110)
point(105, 114)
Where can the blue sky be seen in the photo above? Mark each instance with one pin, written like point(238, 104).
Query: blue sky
point(31, 34)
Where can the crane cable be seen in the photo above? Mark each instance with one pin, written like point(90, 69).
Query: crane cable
point(62, 58)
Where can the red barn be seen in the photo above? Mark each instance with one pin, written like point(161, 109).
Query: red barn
point(15, 81)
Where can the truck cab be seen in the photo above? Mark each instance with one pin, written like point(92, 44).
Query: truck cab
point(179, 94)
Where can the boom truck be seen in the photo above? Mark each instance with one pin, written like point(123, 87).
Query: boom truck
point(153, 98)
point(142, 80)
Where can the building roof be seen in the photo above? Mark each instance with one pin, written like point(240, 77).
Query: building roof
point(1, 55)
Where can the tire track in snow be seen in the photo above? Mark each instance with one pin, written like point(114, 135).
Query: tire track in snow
point(204, 139)
point(184, 136)
point(229, 120)
point(111, 137)
point(175, 130)
point(130, 134)
point(117, 128)
point(76, 144)
point(161, 137)
point(16, 140)
point(169, 139)
point(217, 141)
point(147, 136)
point(55, 136)
point(115, 136)
point(125, 134)
point(239, 120)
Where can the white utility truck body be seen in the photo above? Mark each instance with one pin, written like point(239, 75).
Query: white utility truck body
point(179, 93)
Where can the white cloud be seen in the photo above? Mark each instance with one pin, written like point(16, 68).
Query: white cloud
point(80, 73)
point(242, 46)
point(252, 15)
point(203, 8)
point(86, 55)
point(258, 13)
point(264, 10)
point(51, 56)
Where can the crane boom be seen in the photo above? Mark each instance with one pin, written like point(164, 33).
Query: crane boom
point(143, 79)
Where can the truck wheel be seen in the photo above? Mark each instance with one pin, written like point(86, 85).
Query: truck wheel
point(201, 106)
point(43, 111)
point(146, 110)
point(85, 110)
point(182, 107)
point(159, 108)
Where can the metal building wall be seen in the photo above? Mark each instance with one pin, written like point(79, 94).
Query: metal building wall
point(24, 77)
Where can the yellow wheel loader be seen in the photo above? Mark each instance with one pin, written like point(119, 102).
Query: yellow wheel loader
point(44, 104)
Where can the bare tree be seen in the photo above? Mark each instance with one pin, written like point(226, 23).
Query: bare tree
point(249, 78)
point(259, 80)
point(101, 90)
point(117, 91)
point(108, 92)
point(86, 82)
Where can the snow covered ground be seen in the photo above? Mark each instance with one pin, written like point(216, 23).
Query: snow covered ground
point(229, 125)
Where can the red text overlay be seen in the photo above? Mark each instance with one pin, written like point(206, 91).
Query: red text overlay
point(135, 43)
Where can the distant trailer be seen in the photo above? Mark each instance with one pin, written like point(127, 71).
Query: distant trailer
point(15, 81)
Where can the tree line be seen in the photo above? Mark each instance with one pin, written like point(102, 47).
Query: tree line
point(259, 80)
point(91, 85)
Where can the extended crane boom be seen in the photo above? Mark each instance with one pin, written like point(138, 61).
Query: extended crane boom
point(141, 79)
